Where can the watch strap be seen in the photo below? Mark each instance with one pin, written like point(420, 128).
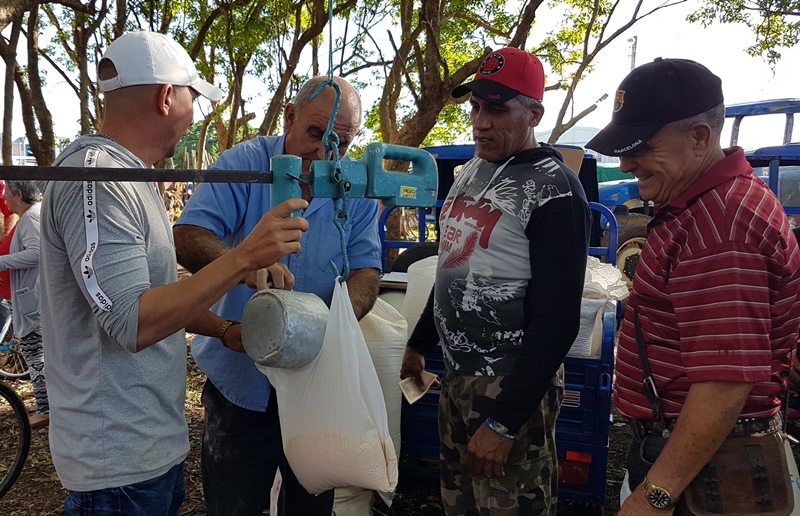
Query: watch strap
point(658, 497)
point(224, 329)
point(500, 429)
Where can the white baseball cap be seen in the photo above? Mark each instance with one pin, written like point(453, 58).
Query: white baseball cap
point(144, 57)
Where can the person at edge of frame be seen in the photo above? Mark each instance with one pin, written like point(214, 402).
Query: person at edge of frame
point(113, 310)
point(715, 296)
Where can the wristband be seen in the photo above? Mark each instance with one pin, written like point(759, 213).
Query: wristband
point(224, 329)
point(500, 429)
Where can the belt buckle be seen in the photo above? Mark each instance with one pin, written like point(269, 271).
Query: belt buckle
point(758, 427)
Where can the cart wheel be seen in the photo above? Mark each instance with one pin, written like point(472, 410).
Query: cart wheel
point(631, 238)
point(413, 254)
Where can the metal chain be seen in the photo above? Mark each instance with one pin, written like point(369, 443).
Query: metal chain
point(331, 142)
point(340, 219)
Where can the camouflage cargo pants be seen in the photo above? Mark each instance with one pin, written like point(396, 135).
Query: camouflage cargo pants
point(530, 484)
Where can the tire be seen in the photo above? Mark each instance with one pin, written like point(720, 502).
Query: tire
point(15, 437)
point(12, 363)
point(630, 242)
point(413, 254)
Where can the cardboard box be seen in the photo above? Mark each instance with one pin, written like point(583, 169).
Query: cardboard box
point(572, 158)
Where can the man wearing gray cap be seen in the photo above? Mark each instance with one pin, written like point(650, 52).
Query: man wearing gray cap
point(506, 302)
point(112, 309)
point(714, 311)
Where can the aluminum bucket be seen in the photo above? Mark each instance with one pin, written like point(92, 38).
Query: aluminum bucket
point(283, 328)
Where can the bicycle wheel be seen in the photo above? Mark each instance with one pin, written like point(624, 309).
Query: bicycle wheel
point(12, 363)
point(15, 437)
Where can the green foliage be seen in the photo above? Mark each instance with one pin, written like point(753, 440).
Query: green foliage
point(453, 125)
point(233, 39)
point(190, 143)
point(775, 23)
point(563, 48)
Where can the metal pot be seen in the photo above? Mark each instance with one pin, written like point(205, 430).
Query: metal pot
point(283, 328)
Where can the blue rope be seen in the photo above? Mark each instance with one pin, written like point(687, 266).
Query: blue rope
point(331, 142)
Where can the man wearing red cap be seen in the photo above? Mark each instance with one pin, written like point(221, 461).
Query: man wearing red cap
point(506, 302)
point(714, 311)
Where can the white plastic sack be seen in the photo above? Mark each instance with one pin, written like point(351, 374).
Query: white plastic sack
point(384, 331)
point(590, 335)
point(353, 501)
point(421, 276)
point(333, 417)
point(604, 280)
point(603, 285)
point(385, 334)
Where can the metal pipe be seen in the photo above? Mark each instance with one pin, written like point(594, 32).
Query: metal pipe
point(134, 174)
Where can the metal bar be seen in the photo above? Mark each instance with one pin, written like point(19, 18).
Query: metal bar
point(134, 174)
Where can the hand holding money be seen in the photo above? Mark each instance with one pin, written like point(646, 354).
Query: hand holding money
point(412, 391)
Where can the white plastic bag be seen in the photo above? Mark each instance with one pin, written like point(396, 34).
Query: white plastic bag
point(384, 331)
point(603, 286)
point(421, 276)
point(605, 280)
point(332, 412)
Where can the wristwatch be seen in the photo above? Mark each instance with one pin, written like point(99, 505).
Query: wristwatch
point(500, 429)
point(658, 497)
point(224, 329)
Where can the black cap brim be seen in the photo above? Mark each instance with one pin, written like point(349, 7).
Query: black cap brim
point(487, 89)
point(618, 139)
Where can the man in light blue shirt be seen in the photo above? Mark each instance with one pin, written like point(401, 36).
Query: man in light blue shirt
point(241, 441)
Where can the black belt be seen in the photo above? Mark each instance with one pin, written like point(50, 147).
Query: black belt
point(746, 426)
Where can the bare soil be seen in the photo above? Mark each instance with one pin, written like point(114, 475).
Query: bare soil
point(38, 491)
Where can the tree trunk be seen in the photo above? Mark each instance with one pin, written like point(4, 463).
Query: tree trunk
point(319, 20)
point(10, 58)
point(43, 144)
point(11, 10)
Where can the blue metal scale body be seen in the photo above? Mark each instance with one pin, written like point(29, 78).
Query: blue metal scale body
point(364, 178)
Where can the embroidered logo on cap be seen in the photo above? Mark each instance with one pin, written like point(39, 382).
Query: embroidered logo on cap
point(492, 64)
point(619, 100)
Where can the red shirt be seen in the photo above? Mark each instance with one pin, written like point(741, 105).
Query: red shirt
point(717, 290)
point(3, 205)
point(5, 276)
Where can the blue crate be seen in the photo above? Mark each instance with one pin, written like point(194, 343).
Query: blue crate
point(419, 431)
point(582, 455)
point(419, 422)
point(434, 361)
point(586, 409)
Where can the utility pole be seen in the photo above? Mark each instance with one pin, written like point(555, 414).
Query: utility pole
point(633, 41)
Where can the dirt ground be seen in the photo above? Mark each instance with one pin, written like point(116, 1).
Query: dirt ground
point(38, 492)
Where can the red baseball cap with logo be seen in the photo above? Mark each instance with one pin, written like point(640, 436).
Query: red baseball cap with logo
point(504, 74)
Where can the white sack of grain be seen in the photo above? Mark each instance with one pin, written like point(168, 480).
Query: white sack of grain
point(333, 415)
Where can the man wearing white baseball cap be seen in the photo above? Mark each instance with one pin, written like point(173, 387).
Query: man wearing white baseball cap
point(113, 312)
point(153, 58)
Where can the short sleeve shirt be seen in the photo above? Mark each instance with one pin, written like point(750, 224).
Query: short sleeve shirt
point(716, 290)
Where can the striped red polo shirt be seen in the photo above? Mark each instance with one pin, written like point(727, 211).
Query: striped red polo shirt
point(717, 292)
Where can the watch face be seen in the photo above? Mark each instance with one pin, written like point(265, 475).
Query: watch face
point(659, 498)
point(500, 428)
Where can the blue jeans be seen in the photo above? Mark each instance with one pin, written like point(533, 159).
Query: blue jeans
point(161, 496)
